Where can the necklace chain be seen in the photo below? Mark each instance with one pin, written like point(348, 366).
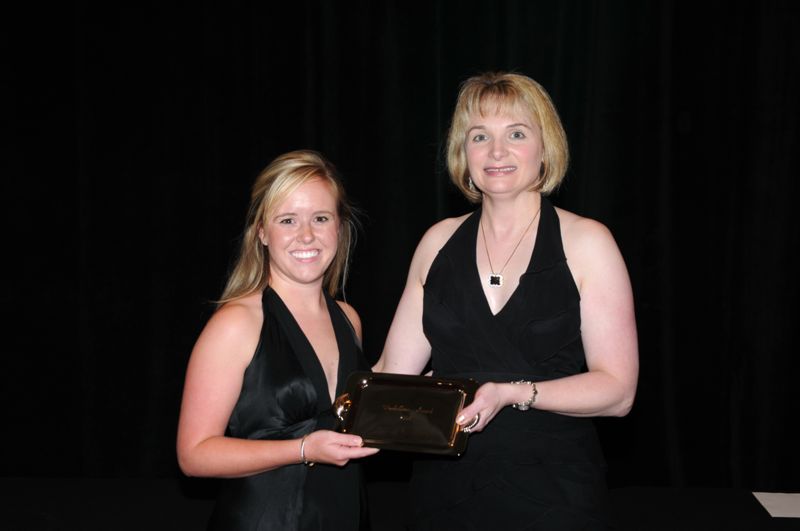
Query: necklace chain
point(496, 279)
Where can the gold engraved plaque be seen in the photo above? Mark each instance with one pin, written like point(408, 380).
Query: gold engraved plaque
point(403, 412)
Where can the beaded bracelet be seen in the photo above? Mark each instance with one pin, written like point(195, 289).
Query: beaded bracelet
point(524, 406)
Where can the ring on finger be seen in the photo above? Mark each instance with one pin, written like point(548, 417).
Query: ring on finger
point(474, 423)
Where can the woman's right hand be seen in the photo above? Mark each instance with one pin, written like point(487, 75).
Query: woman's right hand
point(333, 448)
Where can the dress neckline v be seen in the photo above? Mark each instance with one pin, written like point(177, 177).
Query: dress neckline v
point(476, 276)
point(305, 352)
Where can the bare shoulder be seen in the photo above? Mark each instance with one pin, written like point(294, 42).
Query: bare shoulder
point(432, 241)
point(239, 314)
point(578, 231)
point(234, 328)
point(588, 244)
point(352, 315)
point(436, 236)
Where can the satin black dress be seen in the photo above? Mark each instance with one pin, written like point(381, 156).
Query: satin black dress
point(284, 396)
point(527, 469)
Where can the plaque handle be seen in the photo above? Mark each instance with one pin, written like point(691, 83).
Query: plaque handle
point(341, 406)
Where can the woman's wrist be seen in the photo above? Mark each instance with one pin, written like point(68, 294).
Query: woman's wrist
point(525, 394)
point(303, 451)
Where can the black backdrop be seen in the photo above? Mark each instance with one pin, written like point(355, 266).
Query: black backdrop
point(132, 134)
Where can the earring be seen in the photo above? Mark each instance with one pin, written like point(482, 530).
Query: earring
point(471, 185)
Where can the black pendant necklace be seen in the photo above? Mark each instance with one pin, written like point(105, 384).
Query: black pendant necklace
point(496, 279)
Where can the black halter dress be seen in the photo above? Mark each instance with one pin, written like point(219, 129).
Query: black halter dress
point(527, 469)
point(284, 396)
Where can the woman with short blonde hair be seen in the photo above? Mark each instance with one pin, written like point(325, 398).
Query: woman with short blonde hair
point(533, 302)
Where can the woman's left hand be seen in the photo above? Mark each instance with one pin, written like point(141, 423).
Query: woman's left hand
point(489, 399)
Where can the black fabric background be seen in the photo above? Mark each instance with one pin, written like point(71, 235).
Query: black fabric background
point(131, 135)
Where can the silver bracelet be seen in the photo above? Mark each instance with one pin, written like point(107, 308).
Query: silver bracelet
point(524, 406)
point(303, 452)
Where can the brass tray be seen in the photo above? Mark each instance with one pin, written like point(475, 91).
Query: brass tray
point(403, 412)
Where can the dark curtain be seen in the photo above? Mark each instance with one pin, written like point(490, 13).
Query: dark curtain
point(133, 132)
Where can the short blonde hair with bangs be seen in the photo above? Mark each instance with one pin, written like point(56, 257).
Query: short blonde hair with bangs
point(495, 92)
point(272, 186)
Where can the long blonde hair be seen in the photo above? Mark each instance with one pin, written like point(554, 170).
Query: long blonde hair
point(272, 186)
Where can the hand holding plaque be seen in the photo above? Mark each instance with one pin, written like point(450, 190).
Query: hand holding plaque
point(403, 412)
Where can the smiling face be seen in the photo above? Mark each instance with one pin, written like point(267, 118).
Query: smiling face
point(504, 151)
point(301, 234)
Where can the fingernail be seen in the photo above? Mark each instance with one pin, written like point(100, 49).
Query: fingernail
point(460, 419)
